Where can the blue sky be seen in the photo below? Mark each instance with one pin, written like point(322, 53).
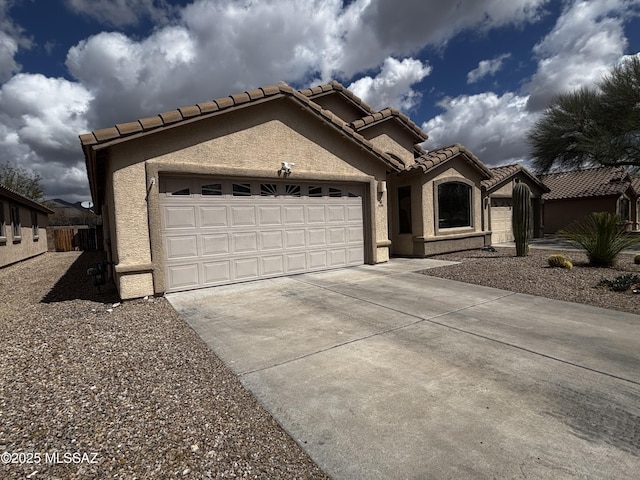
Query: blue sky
point(476, 72)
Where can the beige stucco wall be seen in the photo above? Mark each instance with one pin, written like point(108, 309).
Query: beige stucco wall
point(426, 239)
point(389, 137)
point(249, 143)
point(16, 249)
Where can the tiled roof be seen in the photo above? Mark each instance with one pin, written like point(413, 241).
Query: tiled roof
point(592, 182)
point(123, 131)
point(15, 196)
point(374, 115)
point(635, 184)
point(503, 172)
point(430, 160)
point(334, 86)
point(385, 114)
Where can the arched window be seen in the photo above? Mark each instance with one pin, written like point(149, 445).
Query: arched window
point(454, 205)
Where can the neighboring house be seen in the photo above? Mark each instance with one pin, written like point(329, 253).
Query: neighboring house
point(498, 203)
point(67, 213)
point(272, 182)
point(23, 224)
point(575, 194)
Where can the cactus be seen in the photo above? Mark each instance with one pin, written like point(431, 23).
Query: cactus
point(559, 260)
point(521, 217)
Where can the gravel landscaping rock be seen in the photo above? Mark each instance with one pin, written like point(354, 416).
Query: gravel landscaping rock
point(92, 388)
point(532, 275)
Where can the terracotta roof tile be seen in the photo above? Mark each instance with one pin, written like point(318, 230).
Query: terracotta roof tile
point(592, 182)
point(172, 116)
point(255, 94)
point(433, 158)
point(105, 134)
point(129, 128)
point(208, 107)
point(504, 172)
point(191, 111)
point(390, 113)
point(240, 98)
point(8, 192)
point(151, 122)
point(224, 102)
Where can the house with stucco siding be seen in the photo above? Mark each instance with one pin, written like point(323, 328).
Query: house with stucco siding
point(23, 224)
point(276, 181)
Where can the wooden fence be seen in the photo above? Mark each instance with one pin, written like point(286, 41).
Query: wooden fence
point(68, 239)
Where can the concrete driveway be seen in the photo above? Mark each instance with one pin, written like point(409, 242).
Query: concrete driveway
point(381, 373)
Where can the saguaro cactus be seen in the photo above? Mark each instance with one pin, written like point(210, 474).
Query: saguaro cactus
point(521, 217)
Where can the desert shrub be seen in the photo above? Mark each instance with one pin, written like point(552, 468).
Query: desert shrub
point(636, 259)
point(559, 260)
point(622, 283)
point(601, 235)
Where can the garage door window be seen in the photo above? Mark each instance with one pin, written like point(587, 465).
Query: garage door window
point(315, 192)
point(268, 189)
point(212, 189)
point(182, 191)
point(335, 192)
point(241, 189)
point(292, 190)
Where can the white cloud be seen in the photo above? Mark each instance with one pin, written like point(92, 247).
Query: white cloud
point(122, 12)
point(487, 67)
point(392, 86)
point(587, 40)
point(392, 29)
point(492, 126)
point(40, 119)
point(11, 40)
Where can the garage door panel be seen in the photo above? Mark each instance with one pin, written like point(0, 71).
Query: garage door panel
point(271, 240)
point(244, 242)
point(355, 256)
point(183, 276)
point(336, 213)
point(216, 272)
point(337, 235)
point(242, 216)
point(183, 246)
point(317, 237)
point(317, 260)
point(269, 215)
point(179, 217)
point(293, 215)
point(220, 239)
point(211, 217)
point(246, 268)
point(295, 238)
point(215, 244)
point(355, 234)
point(316, 214)
point(337, 257)
point(296, 262)
point(354, 213)
point(273, 265)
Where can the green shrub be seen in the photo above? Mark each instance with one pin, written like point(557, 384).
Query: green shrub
point(636, 259)
point(622, 283)
point(560, 261)
point(601, 235)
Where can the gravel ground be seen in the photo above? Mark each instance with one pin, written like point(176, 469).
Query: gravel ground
point(90, 389)
point(532, 275)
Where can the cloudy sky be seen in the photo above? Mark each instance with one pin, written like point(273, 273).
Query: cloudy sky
point(476, 72)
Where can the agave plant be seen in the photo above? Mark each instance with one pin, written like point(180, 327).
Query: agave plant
point(601, 235)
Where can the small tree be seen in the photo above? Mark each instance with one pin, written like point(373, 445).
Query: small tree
point(21, 181)
point(601, 235)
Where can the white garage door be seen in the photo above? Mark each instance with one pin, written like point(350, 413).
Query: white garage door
point(224, 231)
point(501, 230)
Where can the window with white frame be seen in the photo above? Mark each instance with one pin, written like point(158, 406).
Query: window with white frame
point(16, 228)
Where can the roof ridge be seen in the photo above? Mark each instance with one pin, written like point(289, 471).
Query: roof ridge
point(24, 199)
